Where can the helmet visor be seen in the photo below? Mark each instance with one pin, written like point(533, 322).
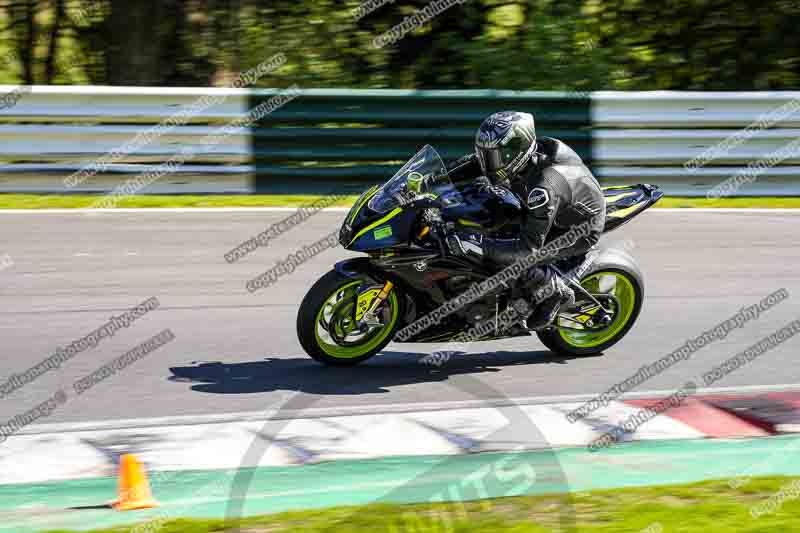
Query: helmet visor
point(494, 159)
point(490, 159)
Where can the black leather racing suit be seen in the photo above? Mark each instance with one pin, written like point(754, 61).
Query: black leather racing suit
point(559, 192)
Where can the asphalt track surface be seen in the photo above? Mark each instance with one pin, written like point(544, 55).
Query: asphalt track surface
point(72, 271)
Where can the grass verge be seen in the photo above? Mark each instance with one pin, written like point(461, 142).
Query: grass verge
point(709, 506)
point(68, 201)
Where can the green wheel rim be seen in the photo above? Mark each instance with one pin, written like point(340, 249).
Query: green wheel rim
point(605, 282)
point(341, 301)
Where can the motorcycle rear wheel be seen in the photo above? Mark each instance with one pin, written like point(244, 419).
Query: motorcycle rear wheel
point(624, 294)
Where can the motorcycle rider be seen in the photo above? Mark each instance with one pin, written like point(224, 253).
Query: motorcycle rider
point(557, 190)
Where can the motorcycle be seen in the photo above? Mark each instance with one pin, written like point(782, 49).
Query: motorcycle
point(352, 312)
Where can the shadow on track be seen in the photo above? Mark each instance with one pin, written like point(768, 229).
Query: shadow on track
point(377, 375)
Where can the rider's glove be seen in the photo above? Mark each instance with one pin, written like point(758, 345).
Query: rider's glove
point(481, 183)
point(484, 185)
point(465, 245)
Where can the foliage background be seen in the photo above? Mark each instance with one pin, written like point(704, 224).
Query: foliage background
point(572, 45)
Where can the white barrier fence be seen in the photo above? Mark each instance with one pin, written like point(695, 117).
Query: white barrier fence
point(685, 141)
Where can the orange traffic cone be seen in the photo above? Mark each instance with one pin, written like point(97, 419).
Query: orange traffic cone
point(134, 489)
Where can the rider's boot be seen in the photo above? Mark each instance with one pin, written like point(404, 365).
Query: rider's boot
point(519, 328)
point(545, 313)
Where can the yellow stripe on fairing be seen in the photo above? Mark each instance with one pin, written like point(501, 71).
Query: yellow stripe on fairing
point(377, 223)
point(628, 210)
point(370, 193)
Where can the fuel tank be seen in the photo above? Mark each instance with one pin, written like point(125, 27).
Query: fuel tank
point(485, 209)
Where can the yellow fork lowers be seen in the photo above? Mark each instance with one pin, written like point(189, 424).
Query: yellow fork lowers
point(387, 288)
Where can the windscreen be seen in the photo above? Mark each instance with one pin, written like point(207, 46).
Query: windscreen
point(423, 175)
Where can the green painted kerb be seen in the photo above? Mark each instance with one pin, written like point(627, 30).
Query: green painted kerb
point(28, 508)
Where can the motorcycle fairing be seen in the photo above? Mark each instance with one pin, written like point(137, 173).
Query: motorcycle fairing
point(389, 230)
point(623, 203)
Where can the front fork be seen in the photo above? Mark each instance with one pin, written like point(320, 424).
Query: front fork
point(368, 301)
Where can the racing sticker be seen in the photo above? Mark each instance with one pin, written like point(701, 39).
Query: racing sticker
point(537, 198)
point(382, 233)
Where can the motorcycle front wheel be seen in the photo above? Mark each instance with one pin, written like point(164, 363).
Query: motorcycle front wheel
point(327, 324)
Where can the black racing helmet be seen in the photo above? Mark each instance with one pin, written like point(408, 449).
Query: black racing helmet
point(505, 143)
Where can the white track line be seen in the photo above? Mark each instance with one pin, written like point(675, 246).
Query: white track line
point(274, 413)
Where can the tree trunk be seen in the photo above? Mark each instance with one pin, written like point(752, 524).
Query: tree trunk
point(52, 45)
point(23, 24)
point(135, 42)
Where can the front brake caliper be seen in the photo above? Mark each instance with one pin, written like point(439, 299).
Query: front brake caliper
point(364, 302)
